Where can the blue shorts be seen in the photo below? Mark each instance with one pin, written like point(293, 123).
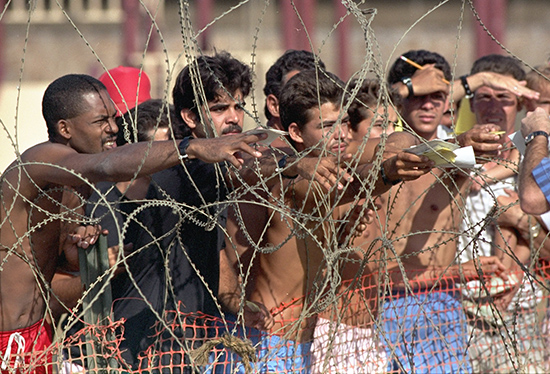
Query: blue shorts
point(275, 355)
point(427, 332)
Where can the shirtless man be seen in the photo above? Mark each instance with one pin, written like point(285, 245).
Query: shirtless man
point(289, 64)
point(40, 188)
point(421, 233)
point(285, 267)
point(344, 339)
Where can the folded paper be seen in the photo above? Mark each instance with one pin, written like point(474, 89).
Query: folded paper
point(445, 154)
point(272, 134)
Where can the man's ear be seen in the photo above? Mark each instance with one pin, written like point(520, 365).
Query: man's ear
point(472, 106)
point(189, 118)
point(447, 104)
point(529, 104)
point(64, 129)
point(295, 133)
point(272, 105)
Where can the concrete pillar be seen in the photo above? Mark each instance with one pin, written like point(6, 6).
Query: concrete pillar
point(493, 15)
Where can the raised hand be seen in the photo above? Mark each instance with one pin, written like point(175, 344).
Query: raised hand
point(428, 80)
point(506, 82)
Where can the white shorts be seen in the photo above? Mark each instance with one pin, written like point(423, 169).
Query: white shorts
point(340, 348)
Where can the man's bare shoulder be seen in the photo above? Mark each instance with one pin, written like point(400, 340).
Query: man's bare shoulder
point(46, 163)
point(47, 152)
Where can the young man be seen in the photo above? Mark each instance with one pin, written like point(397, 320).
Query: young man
point(344, 338)
point(370, 113)
point(289, 64)
point(288, 267)
point(420, 246)
point(41, 194)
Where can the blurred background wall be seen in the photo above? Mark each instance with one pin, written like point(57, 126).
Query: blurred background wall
point(41, 40)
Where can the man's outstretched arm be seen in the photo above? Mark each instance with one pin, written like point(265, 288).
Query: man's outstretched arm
point(60, 164)
point(368, 181)
point(532, 198)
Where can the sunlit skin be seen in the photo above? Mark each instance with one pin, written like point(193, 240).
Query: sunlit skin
point(326, 131)
point(162, 133)
point(427, 206)
point(95, 130)
point(498, 107)
point(377, 123)
point(423, 113)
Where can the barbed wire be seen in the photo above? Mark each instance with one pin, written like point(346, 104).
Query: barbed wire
point(318, 228)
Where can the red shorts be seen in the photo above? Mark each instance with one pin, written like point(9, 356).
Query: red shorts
point(26, 349)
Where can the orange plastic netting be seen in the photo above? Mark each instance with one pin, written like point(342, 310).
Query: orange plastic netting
point(478, 326)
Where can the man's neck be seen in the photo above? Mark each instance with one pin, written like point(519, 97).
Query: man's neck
point(428, 136)
point(275, 123)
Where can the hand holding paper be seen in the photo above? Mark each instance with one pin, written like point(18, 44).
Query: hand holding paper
point(445, 154)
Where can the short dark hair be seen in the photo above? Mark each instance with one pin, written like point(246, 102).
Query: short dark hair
point(145, 117)
point(291, 60)
point(307, 90)
point(500, 64)
point(401, 69)
point(63, 99)
point(216, 73)
point(367, 98)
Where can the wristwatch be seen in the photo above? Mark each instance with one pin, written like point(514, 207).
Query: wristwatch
point(182, 147)
point(529, 138)
point(281, 165)
point(407, 81)
point(534, 229)
point(467, 89)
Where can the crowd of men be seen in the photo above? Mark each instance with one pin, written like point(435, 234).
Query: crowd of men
point(333, 248)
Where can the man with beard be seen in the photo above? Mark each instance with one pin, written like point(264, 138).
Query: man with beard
point(174, 270)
